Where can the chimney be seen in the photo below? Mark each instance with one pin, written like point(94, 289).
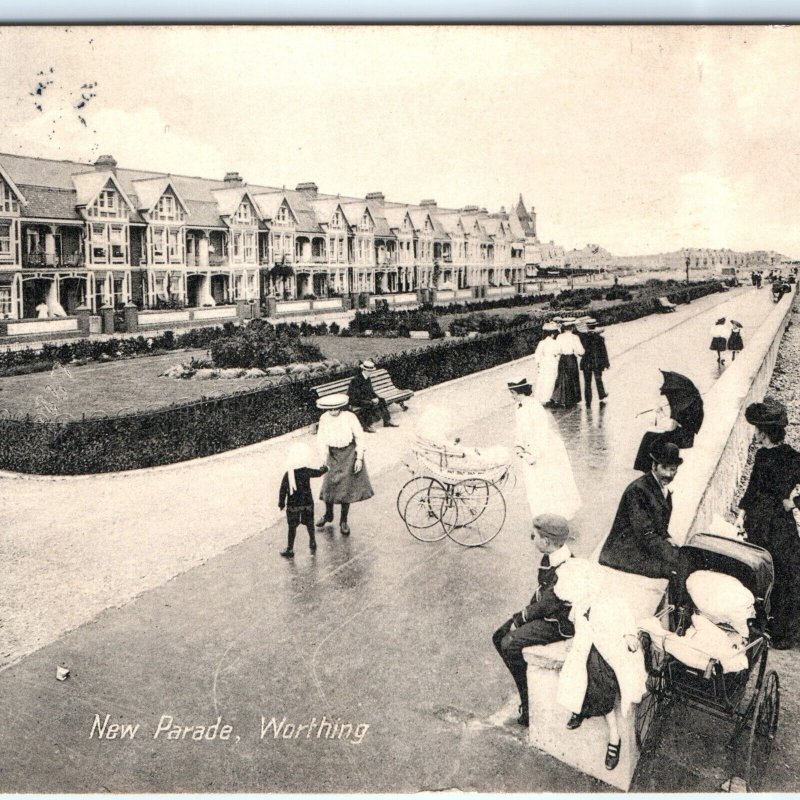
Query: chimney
point(469, 209)
point(106, 164)
point(308, 188)
point(233, 179)
point(377, 197)
point(428, 203)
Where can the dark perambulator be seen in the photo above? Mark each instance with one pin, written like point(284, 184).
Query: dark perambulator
point(710, 688)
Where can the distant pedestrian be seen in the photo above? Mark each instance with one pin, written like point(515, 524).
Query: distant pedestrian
point(595, 358)
point(735, 342)
point(341, 441)
point(296, 497)
point(545, 358)
point(567, 391)
point(719, 338)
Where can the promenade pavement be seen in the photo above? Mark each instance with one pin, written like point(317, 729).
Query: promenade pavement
point(163, 592)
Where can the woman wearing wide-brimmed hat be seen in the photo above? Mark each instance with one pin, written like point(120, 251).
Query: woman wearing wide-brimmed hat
point(341, 440)
point(567, 390)
point(767, 518)
point(735, 341)
point(545, 358)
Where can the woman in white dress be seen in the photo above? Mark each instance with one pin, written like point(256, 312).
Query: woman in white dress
point(545, 359)
point(567, 391)
point(604, 667)
point(340, 438)
point(546, 469)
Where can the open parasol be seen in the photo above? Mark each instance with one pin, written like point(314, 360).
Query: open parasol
point(685, 407)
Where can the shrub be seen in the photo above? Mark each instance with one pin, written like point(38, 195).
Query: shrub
point(262, 345)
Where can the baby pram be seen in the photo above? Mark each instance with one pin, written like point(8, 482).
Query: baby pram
point(455, 491)
point(709, 687)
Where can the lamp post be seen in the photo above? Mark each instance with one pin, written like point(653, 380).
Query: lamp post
point(688, 259)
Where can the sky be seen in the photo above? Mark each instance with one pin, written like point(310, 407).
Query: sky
point(640, 139)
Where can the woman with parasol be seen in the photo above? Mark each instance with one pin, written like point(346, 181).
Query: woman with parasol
point(686, 417)
point(735, 343)
point(719, 339)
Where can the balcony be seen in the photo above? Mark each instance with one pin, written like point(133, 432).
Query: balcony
point(217, 261)
point(39, 260)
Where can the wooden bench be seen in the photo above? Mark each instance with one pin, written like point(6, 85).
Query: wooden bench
point(663, 304)
point(381, 383)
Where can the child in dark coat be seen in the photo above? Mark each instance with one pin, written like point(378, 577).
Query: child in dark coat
point(295, 495)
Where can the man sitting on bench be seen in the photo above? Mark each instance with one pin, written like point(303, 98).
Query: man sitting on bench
point(363, 400)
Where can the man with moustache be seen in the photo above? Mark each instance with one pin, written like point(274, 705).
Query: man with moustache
point(639, 539)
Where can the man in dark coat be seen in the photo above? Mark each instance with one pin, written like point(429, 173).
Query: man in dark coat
point(595, 358)
point(364, 402)
point(546, 618)
point(639, 538)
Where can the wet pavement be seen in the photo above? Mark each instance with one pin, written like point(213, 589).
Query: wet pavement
point(383, 638)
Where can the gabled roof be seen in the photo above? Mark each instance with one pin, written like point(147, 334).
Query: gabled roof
point(395, 215)
point(325, 207)
point(150, 190)
point(11, 185)
point(451, 224)
point(355, 211)
point(88, 186)
point(229, 200)
point(268, 204)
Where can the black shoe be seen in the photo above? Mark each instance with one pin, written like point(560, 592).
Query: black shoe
point(612, 754)
point(369, 429)
point(287, 553)
point(574, 722)
point(323, 522)
point(390, 425)
point(344, 528)
point(522, 719)
point(312, 546)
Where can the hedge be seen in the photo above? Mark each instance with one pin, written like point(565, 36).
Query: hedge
point(209, 426)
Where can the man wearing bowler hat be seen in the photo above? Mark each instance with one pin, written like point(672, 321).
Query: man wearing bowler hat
point(546, 618)
point(639, 538)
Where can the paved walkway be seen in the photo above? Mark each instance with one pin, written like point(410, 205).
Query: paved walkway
point(377, 630)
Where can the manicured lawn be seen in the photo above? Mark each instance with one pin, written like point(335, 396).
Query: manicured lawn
point(134, 384)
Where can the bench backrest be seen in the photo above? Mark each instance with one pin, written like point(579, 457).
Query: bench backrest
point(380, 379)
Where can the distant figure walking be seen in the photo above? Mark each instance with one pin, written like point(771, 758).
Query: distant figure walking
point(545, 358)
point(567, 391)
point(595, 358)
point(735, 342)
point(719, 338)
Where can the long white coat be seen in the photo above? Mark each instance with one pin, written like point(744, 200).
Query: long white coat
point(545, 465)
point(545, 359)
point(610, 619)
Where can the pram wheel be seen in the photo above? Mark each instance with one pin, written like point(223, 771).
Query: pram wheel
point(763, 728)
point(651, 709)
point(421, 503)
point(476, 512)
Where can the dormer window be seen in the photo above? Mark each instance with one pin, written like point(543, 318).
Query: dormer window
point(8, 203)
point(168, 209)
point(282, 217)
point(107, 205)
point(244, 214)
point(336, 220)
point(365, 221)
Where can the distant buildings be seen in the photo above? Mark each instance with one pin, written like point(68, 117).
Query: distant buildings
point(95, 235)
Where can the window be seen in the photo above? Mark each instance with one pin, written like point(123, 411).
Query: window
point(174, 244)
point(365, 221)
point(99, 243)
point(5, 301)
point(107, 203)
point(159, 245)
point(249, 247)
point(341, 251)
point(237, 246)
point(5, 242)
point(168, 209)
point(8, 202)
point(282, 217)
point(118, 243)
point(336, 221)
point(244, 214)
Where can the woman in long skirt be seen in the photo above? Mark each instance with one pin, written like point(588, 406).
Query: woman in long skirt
point(567, 391)
point(735, 343)
point(546, 358)
point(341, 441)
point(546, 469)
point(605, 665)
point(767, 518)
point(719, 339)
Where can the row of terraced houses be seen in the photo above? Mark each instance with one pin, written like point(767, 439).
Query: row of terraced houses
point(96, 236)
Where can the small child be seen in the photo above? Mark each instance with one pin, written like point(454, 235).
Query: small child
point(735, 343)
point(295, 495)
point(719, 339)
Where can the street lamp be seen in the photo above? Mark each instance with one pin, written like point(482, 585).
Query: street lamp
point(688, 259)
